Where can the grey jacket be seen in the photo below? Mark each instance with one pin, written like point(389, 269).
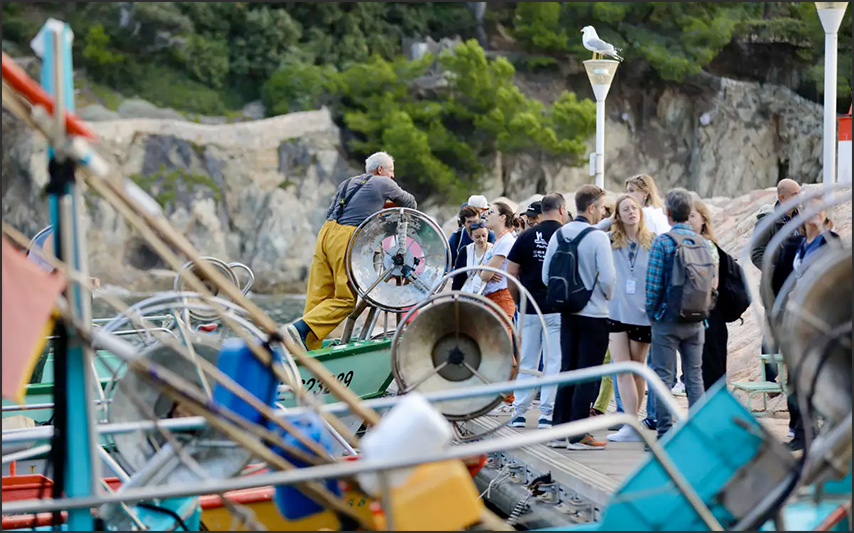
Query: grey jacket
point(757, 252)
point(367, 200)
point(594, 257)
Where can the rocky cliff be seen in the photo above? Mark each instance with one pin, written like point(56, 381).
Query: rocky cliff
point(257, 191)
point(254, 192)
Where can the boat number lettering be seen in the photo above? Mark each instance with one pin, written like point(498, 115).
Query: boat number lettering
point(316, 387)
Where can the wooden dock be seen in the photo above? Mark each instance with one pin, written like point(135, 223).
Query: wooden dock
point(584, 480)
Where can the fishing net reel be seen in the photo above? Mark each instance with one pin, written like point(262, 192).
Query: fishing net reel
point(227, 270)
point(810, 321)
point(450, 342)
point(133, 398)
point(394, 260)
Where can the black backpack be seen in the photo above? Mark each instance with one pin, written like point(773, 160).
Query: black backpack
point(565, 292)
point(691, 296)
point(733, 296)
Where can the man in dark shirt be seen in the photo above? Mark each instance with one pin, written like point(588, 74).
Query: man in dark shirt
point(329, 298)
point(525, 261)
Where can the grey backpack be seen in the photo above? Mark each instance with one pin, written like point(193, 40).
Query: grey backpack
point(691, 295)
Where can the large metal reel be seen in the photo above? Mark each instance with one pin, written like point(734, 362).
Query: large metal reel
point(225, 269)
point(815, 332)
point(457, 341)
point(395, 257)
point(219, 457)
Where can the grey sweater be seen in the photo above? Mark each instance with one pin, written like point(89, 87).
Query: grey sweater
point(594, 257)
point(624, 307)
point(368, 200)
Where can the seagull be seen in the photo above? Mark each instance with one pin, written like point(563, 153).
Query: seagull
point(596, 45)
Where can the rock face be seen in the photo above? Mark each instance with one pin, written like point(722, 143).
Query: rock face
point(716, 136)
point(254, 192)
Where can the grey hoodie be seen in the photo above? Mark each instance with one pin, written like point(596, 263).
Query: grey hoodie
point(595, 256)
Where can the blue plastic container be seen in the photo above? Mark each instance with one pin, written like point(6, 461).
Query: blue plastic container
point(290, 501)
point(237, 362)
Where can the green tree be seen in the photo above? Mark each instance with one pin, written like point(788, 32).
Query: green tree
point(100, 58)
point(296, 86)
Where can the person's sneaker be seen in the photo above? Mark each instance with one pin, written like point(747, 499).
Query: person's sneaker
point(678, 389)
point(557, 443)
point(626, 434)
point(502, 410)
point(587, 442)
point(544, 423)
point(649, 423)
point(795, 444)
point(791, 434)
point(292, 332)
point(518, 422)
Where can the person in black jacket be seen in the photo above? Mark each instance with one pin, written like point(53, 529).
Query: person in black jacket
point(717, 335)
point(459, 239)
point(786, 190)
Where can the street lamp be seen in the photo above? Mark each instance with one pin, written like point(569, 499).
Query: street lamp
point(601, 73)
point(831, 14)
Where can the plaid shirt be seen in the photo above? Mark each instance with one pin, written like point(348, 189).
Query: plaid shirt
point(660, 268)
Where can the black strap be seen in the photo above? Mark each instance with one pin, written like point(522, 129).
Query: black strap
point(578, 237)
point(342, 203)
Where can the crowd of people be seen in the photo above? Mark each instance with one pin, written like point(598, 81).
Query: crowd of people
point(643, 280)
point(630, 261)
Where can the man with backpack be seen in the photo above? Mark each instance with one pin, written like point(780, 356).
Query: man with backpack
point(579, 274)
point(681, 280)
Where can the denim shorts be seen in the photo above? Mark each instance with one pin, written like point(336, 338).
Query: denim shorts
point(636, 333)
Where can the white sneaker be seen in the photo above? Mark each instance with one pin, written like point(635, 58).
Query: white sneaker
point(557, 443)
point(502, 410)
point(679, 388)
point(791, 434)
point(625, 434)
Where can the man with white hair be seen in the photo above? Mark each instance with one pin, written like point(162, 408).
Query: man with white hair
point(329, 298)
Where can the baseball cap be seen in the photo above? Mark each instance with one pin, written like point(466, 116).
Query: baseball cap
point(478, 201)
point(534, 209)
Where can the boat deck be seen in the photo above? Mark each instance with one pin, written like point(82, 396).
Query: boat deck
point(586, 480)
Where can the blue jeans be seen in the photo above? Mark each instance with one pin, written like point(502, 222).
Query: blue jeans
point(687, 339)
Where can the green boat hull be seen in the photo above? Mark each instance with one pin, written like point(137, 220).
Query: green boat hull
point(364, 367)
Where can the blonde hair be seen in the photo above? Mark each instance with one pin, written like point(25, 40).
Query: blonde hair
point(619, 237)
point(645, 183)
point(708, 230)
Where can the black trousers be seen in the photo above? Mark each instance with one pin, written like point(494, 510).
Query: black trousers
point(583, 343)
point(714, 351)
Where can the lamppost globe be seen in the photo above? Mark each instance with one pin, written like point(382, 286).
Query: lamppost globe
point(830, 14)
point(601, 73)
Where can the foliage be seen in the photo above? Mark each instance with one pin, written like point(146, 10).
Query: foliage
point(296, 86)
point(104, 62)
point(440, 142)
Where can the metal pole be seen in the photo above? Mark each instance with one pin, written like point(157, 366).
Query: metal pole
point(81, 472)
point(830, 51)
point(600, 142)
point(351, 468)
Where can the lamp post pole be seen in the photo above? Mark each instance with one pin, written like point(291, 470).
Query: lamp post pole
point(601, 73)
point(831, 14)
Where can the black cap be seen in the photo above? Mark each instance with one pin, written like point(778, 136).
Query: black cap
point(534, 209)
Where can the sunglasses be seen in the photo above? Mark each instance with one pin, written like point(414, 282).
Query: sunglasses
point(477, 225)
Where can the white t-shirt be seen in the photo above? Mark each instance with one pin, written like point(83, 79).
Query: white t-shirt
point(501, 246)
point(655, 219)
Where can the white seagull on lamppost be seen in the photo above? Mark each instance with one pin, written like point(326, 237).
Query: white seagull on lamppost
point(592, 42)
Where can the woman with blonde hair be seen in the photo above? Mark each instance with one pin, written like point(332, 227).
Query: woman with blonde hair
point(717, 336)
point(642, 188)
point(630, 333)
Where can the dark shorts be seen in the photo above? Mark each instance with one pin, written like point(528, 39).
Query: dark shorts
point(636, 333)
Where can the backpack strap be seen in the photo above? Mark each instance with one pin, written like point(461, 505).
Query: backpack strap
point(342, 203)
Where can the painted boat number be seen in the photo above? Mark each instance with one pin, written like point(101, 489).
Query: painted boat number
point(316, 387)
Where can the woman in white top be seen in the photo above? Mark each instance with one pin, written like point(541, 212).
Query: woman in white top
point(476, 254)
point(642, 188)
point(499, 219)
point(630, 335)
